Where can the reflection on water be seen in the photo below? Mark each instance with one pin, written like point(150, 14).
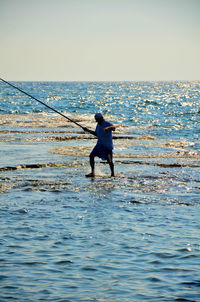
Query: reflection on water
point(134, 237)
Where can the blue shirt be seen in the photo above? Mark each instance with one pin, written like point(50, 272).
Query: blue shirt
point(104, 137)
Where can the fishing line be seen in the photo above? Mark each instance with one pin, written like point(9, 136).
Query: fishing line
point(63, 115)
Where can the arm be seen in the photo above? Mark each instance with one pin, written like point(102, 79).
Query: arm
point(112, 128)
point(90, 131)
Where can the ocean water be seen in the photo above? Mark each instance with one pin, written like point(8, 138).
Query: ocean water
point(134, 237)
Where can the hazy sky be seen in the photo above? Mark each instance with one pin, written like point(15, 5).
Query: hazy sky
point(105, 40)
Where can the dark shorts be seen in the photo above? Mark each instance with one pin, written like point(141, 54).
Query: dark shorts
point(101, 151)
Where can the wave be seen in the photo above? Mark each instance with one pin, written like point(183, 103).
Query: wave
point(39, 166)
point(117, 162)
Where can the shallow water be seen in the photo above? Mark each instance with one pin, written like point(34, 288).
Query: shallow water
point(134, 237)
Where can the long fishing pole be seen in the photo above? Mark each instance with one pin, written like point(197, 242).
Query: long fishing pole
point(43, 103)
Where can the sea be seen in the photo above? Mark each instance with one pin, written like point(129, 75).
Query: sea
point(129, 238)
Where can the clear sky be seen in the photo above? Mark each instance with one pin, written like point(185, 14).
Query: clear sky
point(100, 40)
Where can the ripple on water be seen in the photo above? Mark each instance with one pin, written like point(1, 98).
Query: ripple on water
point(130, 238)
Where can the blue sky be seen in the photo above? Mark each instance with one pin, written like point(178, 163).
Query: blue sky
point(100, 40)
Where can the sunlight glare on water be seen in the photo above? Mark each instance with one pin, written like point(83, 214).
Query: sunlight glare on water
point(134, 237)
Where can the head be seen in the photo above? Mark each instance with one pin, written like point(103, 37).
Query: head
point(98, 117)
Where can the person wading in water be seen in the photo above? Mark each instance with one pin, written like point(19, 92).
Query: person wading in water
point(104, 146)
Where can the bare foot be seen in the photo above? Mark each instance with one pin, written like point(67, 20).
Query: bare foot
point(89, 175)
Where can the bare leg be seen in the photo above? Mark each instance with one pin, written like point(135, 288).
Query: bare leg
point(110, 161)
point(92, 166)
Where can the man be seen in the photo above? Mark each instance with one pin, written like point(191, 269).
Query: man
point(104, 146)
